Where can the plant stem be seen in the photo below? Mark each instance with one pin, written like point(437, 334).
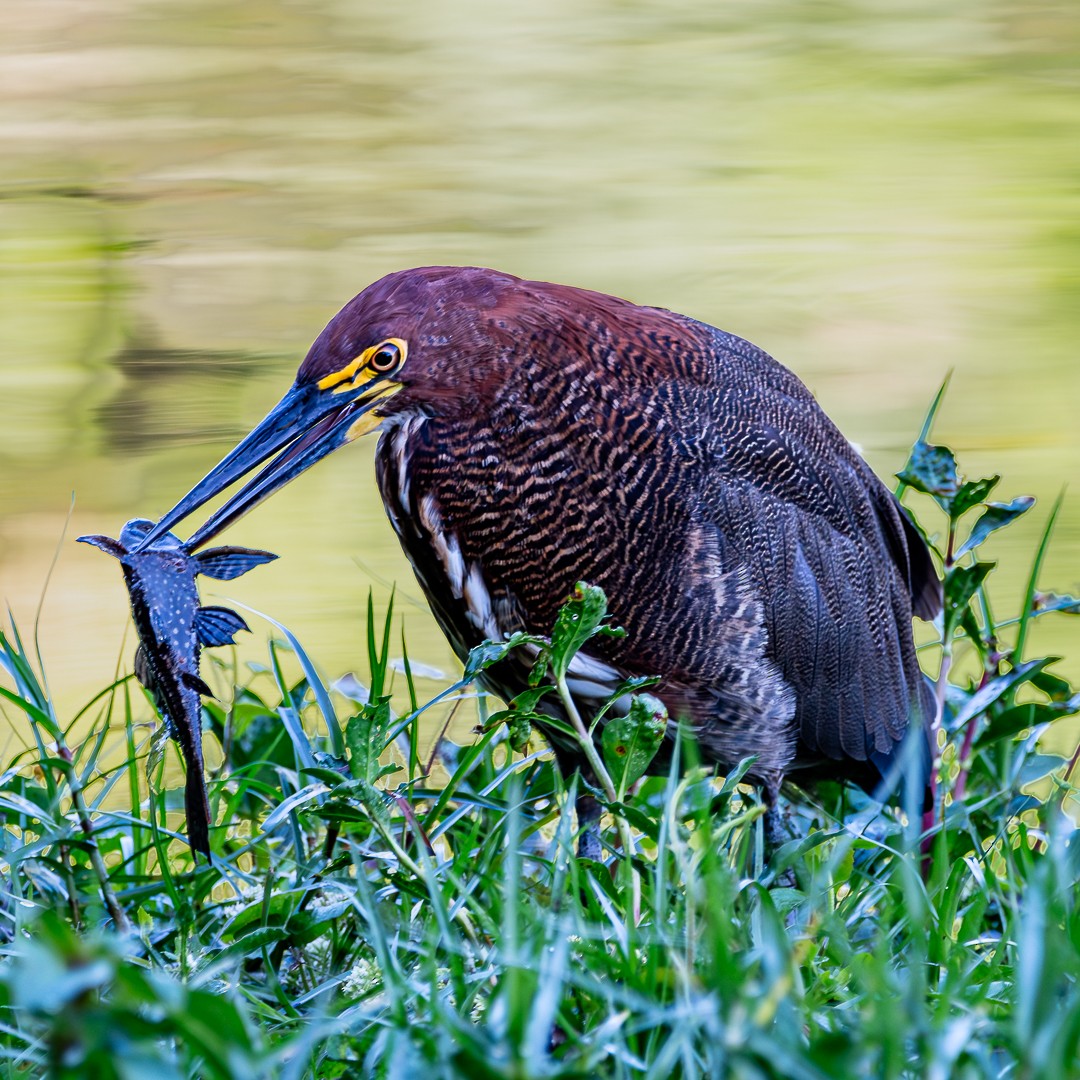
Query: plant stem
point(119, 918)
point(939, 713)
point(417, 871)
point(73, 892)
point(965, 760)
point(588, 747)
point(1033, 579)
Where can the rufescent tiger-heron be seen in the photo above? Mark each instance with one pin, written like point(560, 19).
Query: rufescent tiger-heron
point(534, 435)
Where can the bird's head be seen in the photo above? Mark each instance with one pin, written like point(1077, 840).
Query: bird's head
point(423, 340)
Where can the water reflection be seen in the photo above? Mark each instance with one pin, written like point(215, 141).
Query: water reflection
point(188, 193)
point(163, 398)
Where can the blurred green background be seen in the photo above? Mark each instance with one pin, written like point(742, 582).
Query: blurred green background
point(875, 193)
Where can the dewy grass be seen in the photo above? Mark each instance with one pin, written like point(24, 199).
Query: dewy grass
point(364, 918)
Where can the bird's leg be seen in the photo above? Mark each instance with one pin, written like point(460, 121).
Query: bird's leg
point(586, 807)
point(775, 833)
point(588, 812)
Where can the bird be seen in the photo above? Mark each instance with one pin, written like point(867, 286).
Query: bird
point(534, 435)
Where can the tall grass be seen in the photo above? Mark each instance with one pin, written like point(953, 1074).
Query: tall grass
point(378, 909)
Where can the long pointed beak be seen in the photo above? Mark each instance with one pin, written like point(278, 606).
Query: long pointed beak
point(305, 426)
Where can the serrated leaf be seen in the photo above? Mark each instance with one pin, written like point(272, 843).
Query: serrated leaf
point(995, 516)
point(579, 619)
point(366, 736)
point(629, 743)
point(931, 469)
point(375, 802)
point(970, 494)
point(961, 584)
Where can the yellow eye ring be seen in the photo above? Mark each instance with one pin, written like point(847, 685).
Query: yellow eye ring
point(376, 360)
point(386, 357)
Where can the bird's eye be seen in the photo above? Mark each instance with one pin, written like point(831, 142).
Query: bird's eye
point(386, 357)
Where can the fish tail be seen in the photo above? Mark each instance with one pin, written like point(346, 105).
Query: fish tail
point(186, 729)
point(197, 808)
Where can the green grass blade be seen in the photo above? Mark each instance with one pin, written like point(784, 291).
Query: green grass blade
point(1033, 578)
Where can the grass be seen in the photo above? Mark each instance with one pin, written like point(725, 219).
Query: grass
point(376, 910)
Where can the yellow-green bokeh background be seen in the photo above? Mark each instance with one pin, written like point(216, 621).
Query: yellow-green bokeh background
point(876, 193)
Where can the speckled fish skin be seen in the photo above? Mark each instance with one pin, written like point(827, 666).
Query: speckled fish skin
point(173, 627)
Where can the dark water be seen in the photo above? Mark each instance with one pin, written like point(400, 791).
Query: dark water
point(188, 191)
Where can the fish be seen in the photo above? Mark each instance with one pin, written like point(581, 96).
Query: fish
point(173, 628)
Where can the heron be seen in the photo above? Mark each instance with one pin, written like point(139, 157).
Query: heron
point(533, 435)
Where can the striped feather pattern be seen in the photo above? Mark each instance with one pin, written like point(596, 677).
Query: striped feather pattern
point(546, 435)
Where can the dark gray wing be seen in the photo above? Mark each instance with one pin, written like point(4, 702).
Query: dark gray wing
point(832, 557)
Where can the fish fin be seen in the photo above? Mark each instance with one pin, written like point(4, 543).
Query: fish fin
point(106, 543)
point(226, 563)
point(195, 683)
point(218, 626)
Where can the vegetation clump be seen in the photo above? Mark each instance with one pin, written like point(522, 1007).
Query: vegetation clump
point(376, 907)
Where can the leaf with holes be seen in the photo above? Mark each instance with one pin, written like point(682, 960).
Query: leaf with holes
point(579, 619)
point(971, 493)
point(932, 469)
point(629, 743)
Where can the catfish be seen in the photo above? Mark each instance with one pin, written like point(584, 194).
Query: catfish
point(173, 629)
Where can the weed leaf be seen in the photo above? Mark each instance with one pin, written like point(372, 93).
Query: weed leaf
point(995, 516)
point(629, 743)
point(579, 619)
